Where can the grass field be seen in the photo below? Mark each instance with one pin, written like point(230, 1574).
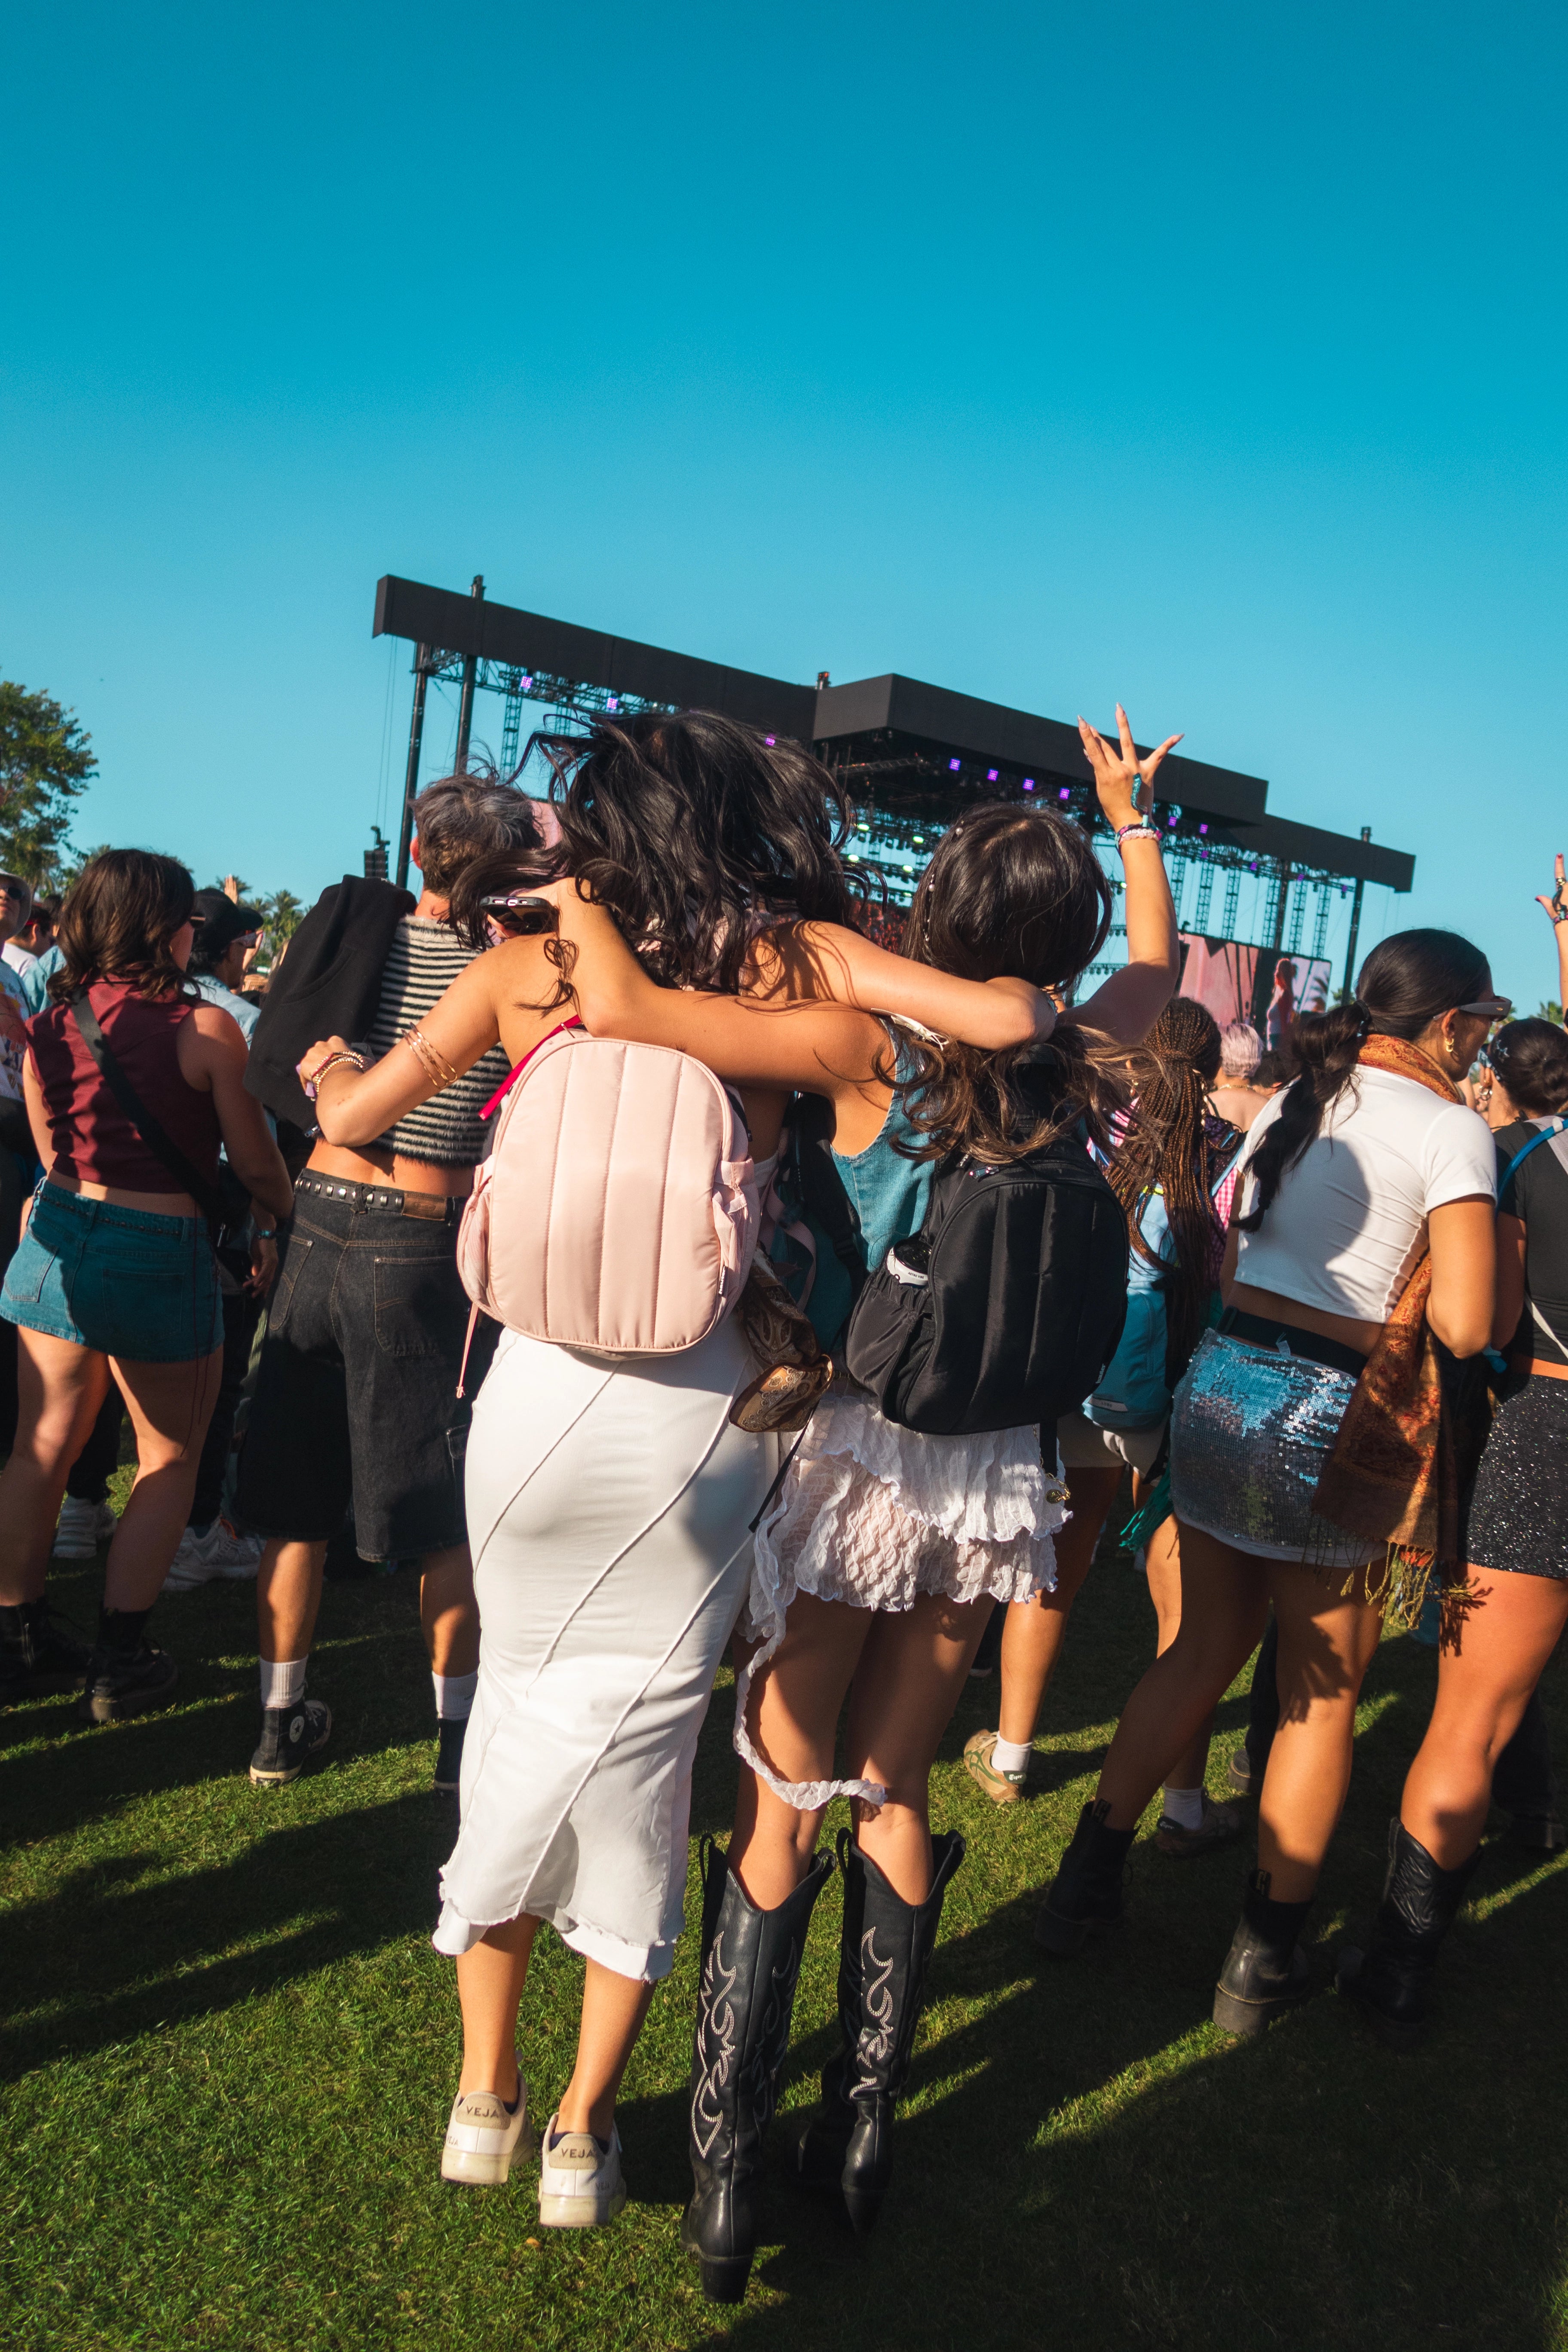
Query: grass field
point(230, 2049)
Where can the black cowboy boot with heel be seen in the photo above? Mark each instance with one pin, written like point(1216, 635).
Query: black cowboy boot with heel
point(883, 1956)
point(1087, 1889)
point(1389, 1982)
point(751, 1959)
point(1266, 1972)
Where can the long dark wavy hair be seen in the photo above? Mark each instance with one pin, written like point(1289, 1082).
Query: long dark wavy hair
point(1166, 1146)
point(1019, 892)
point(118, 918)
point(693, 830)
point(1407, 982)
point(1530, 1057)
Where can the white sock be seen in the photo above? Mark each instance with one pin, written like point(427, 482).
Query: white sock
point(282, 1686)
point(455, 1696)
point(1011, 1755)
point(1185, 1807)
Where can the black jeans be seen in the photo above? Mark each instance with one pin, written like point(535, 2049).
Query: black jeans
point(357, 1396)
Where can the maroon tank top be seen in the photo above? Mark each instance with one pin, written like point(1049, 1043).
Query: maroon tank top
point(93, 1139)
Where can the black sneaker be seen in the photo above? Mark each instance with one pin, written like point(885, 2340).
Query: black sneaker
point(126, 1682)
point(449, 1757)
point(38, 1655)
point(290, 1736)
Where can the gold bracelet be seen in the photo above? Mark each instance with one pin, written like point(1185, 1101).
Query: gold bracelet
point(435, 1065)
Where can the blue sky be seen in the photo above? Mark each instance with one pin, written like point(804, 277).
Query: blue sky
point(1209, 357)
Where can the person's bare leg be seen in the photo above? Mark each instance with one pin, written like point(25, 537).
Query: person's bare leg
point(1492, 1655)
point(169, 1406)
point(908, 1683)
point(59, 1388)
point(793, 1713)
point(1035, 1630)
point(288, 1596)
point(1225, 1605)
point(1163, 1559)
point(1326, 1645)
point(448, 1614)
point(490, 1978)
point(614, 2008)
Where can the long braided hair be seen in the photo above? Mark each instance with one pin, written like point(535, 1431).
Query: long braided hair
point(1166, 1146)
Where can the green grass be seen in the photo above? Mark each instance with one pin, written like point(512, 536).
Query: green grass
point(230, 2049)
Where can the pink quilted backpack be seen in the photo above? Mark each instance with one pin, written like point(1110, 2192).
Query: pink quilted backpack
point(618, 1212)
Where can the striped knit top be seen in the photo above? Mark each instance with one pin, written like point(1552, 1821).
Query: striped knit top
point(425, 960)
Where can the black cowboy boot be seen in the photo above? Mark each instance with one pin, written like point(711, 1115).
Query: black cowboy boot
point(883, 1956)
point(1419, 1901)
point(751, 1959)
point(1087, 1889)
point(1266, 1972)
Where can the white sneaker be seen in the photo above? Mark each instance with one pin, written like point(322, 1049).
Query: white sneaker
point(220, 1553)
point(580, 2183)
point(82, 1528)
point(486, 2139)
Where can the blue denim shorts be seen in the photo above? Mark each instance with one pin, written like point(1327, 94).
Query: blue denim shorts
point(116, 1279)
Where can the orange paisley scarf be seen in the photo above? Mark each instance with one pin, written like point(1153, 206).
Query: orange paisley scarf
point(1410, 1437)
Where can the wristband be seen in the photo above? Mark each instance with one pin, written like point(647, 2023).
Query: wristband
point(1142, 830)
point(266, 1232)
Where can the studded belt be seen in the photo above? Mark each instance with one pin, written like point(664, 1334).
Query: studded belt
point(390, 1200)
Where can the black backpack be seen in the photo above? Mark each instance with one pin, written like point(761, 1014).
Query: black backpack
point(1003, 1310)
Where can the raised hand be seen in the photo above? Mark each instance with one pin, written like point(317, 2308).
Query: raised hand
point(1557, 905)
point(1122, 779)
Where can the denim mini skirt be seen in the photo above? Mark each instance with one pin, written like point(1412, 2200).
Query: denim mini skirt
point(116, 1279)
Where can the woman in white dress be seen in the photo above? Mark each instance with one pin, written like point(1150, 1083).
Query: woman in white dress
point(609, 1503)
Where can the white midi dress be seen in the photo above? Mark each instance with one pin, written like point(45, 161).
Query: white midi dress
point(608, 1505)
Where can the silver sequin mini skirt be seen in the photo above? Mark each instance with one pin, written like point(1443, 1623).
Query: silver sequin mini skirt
point(1251, 1430)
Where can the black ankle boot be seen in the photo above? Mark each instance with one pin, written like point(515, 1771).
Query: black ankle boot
point(1265, 1971)
point(38, 1656)
point(751, 1959)
point(1391, 1980)
point(126, 1672)
point(883, 1956)
point(1087, 1889)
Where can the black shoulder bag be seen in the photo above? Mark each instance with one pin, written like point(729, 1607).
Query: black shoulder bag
point(217, 1207)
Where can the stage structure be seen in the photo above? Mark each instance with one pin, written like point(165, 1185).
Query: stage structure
point(912, 757)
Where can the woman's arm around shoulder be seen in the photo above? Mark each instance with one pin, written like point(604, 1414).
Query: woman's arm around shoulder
point(829, 960)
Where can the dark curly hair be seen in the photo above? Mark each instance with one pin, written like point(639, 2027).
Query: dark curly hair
point(118, 918)
point(1022, 892)
point(1407, 981)
point(691, 830)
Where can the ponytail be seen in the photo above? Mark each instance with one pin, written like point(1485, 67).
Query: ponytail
point(1407, 982)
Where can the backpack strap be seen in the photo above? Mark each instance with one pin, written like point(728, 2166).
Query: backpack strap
point(207, 1196)
point(822, 1188)
point(1545, 1135)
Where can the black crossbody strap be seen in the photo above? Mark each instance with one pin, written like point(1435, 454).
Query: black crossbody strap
point(207, 1197)
point(822, 1187)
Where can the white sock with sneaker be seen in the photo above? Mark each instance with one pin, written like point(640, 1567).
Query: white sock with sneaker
point(282, 1686)
point(1185, 1807)
point(455, 1696)
point(1011, 1755)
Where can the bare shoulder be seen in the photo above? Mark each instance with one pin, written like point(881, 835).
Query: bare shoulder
point(214, 1027)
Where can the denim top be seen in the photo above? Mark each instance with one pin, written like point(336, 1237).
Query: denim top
point(888, 1196)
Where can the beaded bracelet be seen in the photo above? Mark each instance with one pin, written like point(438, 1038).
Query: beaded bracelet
point(310, 1085)
point(1142, 830)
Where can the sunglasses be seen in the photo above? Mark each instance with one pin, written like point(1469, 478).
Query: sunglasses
point(1489, 1008)
point(518, 915)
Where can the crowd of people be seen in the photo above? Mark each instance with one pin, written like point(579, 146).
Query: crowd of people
point(833, 1295)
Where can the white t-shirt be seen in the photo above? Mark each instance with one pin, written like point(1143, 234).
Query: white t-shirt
point(1349, 1221)
point(13, 1035)
point(20, 959)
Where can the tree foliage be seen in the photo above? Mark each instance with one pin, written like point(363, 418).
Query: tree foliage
point(46, 760)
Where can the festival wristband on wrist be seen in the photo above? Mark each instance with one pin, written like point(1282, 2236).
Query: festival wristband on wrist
point(1142, 831)
point(310, 1086)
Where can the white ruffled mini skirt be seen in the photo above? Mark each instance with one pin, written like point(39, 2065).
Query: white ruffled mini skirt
point(872, 1515)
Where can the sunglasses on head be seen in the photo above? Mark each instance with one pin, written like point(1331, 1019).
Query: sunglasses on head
point(518, 915)
point(1489, 1008)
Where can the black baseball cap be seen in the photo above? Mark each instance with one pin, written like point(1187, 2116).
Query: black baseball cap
point(219, 922)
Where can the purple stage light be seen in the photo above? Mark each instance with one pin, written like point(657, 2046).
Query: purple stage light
point(1028, 784)
point(1065, 793)
point(953, 766)
point(769, 740)
point(611, 702)
point(991, 775)
point(1170, 820)
point(1203, 828)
